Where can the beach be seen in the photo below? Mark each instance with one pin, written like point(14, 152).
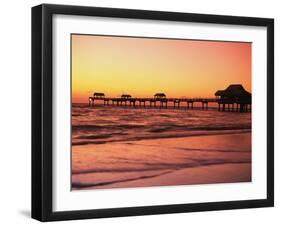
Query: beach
point(195, 159)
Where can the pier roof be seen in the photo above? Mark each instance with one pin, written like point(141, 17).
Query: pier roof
point(126, 96)
point(99, 94)
point(160, 95)
point(235, 90)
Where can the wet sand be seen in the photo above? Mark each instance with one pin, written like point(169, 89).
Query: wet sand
point(226, 173)
point(162, 162)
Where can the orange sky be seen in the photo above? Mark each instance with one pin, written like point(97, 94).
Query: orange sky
point(143, 66)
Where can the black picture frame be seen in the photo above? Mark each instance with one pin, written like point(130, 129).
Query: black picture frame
point(42, 111)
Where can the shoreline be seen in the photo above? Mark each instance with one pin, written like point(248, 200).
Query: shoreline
point(191, 133)
point(187, 176)
point(224, 158)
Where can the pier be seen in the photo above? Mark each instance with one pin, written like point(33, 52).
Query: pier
point(233, 99)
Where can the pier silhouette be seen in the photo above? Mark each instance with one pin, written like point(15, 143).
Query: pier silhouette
point(232, 99)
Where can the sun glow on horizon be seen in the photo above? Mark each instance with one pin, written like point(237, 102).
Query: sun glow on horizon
point(145, 66)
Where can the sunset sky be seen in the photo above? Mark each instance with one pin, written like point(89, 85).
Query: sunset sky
point(144, 66)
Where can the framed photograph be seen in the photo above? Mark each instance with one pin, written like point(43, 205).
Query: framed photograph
point(140, 112)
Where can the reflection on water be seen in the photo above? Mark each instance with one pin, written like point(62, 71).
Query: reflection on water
point(107, 124)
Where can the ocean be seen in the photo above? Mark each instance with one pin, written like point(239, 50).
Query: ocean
point(120, 147)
